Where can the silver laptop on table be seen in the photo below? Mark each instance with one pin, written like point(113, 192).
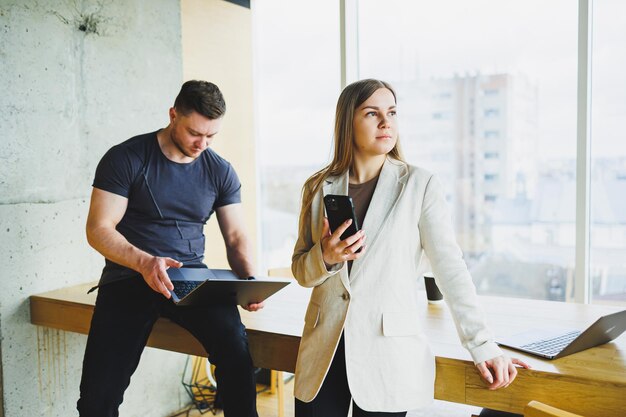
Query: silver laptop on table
point(198, 286)
point(553, 344)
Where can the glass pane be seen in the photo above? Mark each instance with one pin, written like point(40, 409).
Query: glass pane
point(298, 78)
point(487, 100)
point(608, 165)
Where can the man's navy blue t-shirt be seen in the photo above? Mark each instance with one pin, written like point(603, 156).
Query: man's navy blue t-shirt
point(168, 203)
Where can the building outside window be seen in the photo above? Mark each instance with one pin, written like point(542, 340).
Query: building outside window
point(512, 131)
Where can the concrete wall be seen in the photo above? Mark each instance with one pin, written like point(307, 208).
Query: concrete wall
point(67, 96)
point(217, 46)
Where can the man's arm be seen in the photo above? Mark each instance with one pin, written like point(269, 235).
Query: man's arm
point(105, 212)
point(238, 245)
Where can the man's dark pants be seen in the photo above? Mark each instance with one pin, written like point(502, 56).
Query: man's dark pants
point(123, 318)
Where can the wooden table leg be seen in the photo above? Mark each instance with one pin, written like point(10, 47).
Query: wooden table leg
point(280, 388)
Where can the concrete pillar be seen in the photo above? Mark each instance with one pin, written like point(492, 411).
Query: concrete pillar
point(76, 78)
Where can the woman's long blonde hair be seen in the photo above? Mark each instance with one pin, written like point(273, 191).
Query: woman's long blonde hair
point(350, 99)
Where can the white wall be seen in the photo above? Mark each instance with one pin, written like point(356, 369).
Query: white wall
point(66, 97)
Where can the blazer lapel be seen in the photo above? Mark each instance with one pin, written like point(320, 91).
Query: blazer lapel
point(388, 189)
point(337, 185)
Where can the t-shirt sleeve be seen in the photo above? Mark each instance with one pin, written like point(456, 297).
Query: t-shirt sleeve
point(116, 171)
point(230, 188)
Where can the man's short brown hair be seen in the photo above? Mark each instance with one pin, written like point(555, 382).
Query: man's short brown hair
point(202, 97)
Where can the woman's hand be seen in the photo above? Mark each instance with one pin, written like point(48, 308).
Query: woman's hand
point(502, 368)
point(335, 250)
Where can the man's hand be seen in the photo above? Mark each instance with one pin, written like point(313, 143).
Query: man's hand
point(254, 306)
point(153, 272)
point(502, 368)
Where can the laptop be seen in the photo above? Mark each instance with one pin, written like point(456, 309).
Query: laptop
point(553, 344)
point(197, 286)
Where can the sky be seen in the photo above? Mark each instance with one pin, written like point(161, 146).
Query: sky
point(297, 64)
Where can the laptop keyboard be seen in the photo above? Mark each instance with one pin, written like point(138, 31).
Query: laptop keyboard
point(552, 346)
point(182, 288)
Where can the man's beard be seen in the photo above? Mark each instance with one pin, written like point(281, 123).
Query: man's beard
point(179, 147)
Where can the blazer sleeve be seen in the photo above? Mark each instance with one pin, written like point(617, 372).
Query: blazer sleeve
point(307, 262)
point(452, 276)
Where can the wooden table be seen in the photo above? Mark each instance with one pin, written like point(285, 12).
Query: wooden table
point(590, 383)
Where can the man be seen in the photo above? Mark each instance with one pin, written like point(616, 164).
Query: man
point(152, 195)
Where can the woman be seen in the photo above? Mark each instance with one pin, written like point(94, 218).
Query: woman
point(362, 337)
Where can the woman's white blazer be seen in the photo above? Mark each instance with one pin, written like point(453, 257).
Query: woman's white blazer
point(389, 364)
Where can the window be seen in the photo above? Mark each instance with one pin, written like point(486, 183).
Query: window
point(608, 154)
point(513, 211)
point(295, 107)
point(519, 88)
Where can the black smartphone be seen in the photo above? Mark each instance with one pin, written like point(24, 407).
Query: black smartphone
point(339, 208)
